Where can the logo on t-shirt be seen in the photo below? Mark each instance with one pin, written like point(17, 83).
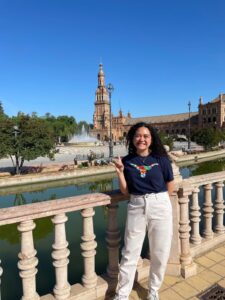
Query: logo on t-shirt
point(143, 169)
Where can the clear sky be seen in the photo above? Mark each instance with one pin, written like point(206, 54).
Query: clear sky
point(158, 54)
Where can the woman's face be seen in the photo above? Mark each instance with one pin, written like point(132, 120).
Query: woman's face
point(142, 140)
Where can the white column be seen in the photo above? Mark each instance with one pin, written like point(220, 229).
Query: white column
point(219, 208)
point(1, 271)
point(188, 268)
point(28, 261)
point(113, 241)
point(195, 218)
point(60, 255)
point(89, 279)
point(208, 212)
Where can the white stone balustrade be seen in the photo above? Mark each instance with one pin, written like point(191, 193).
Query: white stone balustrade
point(195, 218)
point(1, 271)
point(208, 212)
point(89, 278)
point(183, 252)
point(60, 256)
point(219, 208)
point(188, 268)
point(28, 261)
point(113, 241)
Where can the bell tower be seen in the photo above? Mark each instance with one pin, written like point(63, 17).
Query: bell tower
point(101, 118)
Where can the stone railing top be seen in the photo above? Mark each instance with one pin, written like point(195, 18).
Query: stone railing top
point(53, 207)
point(204, 179)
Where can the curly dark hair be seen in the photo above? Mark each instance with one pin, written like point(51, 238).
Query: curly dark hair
point(156, 146)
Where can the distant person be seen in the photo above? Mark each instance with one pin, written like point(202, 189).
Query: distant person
point(75, 161)
point(146, 175)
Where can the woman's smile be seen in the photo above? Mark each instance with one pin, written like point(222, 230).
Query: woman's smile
point(142, 140)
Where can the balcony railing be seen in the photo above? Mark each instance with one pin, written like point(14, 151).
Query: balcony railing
point(193, 234)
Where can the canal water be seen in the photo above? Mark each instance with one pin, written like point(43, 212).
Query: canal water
point(43, 233)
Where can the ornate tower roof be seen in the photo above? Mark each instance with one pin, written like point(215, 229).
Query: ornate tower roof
point(101, 76)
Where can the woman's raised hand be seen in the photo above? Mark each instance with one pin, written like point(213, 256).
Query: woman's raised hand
point(117, 163)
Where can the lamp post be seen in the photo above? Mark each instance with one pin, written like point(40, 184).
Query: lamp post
point(189, 126)
point(110, 89)
point(16, 131)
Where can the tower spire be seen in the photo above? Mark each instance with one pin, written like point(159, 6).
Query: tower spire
point(101, 76)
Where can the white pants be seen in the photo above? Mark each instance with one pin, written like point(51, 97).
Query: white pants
point(154, 212)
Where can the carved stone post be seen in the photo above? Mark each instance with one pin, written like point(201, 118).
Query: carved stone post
point(188, 268)
point(208, 212)
point(1, 271)
point(60, 255)
point(28, 261)
point(113, 241)
point(219, 208)
point(89, 279)
point(195, 218)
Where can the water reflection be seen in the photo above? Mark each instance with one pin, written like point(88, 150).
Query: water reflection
point(203, 168)
point(10, 233)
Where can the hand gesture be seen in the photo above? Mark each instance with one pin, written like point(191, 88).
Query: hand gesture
point(117, 163)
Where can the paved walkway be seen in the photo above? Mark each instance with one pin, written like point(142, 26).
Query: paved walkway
point(211, 270)
point(66, 155)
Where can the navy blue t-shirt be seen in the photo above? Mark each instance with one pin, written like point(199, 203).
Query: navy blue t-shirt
point(146, 175)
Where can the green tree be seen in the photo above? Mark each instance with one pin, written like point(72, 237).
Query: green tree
point(208, 137)
point(2, 113)
point(1, 109)
point(25, 138)
point(166, 139)
point(64, 127)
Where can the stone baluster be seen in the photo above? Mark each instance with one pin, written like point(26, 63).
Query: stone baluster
point(188, 268)
point(28, 261)
point(208, 212)
point(113, 241)
point(89, 279)
point(60, 255)
point(1, 271)
point(219, 208)
point(195, 218)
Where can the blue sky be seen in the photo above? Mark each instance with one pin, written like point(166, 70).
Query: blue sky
point(158, 55)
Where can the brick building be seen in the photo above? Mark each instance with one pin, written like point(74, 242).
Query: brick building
point(209, 114)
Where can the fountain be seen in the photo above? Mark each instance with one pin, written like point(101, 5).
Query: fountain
point(83, 139)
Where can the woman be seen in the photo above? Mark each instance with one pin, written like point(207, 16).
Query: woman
point(146, 175)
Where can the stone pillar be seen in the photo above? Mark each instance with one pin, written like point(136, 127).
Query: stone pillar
point(28, 261)
point(219, 208)
point(188, 268)
point(1, 271)
point(60, 255)
point(113, 241)
point(174, 265)
point(89, 279)
point(195, 218)
point(208, 212)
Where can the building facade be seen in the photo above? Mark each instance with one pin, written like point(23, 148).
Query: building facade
point(212, 114)
point(209, 114)
point(101, 117)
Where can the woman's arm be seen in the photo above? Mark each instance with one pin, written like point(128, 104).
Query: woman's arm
point(119, 170)
point(170, 187)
